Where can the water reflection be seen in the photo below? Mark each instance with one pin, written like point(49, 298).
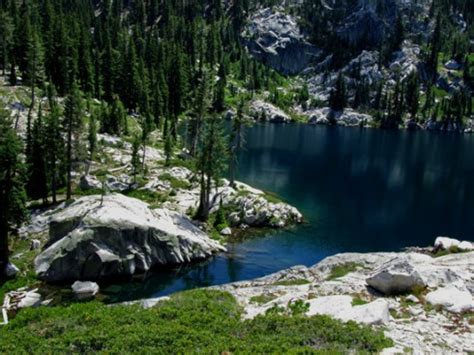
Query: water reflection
point(361, 190)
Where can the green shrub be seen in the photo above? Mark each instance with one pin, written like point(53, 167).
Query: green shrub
point(199, 321)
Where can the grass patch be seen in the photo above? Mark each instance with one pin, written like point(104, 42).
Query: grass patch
point(23, 258)
point(263, 298)
point(199, 321)
point(451, 250)
point(342, 270)
point(272, 197)
point(174, 182)
point(155, 199)
point(295, 282)
point(357, 301)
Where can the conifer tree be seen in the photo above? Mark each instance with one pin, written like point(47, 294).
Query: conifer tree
point(338, 99)
point(54, 143)
point(37, 187)
point(210, 162)
point(72, 124)
point(92, 135)
point(135, 162)
point(201, 108)
point(12, 193)
point(236, 140)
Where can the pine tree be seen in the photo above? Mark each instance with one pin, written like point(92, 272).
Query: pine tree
point(412, 95)
point(435, 48)
point(236, 140)
point(210, 162)
point(219, 96)
point(37, 187)
point(135, 162)
point(92, 135)
point(73, 112)
point(201, 108)
point(53, 142)
point(6, 38)
point(12, 193)
point(338, 99)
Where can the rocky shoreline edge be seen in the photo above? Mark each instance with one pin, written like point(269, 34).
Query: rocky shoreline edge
point(423, 299)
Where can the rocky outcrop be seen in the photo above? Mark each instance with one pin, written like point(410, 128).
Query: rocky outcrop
point(247, 206)
point(117, 236)
point(264, 111)
point(274, 38)
point(425, 322)
point(348, 117)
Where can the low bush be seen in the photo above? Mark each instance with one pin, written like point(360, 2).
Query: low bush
point(199, 321)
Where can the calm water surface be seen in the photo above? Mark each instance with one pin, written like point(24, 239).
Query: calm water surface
point(360, 190)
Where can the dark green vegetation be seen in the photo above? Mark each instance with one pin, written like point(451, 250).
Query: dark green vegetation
point(196, 321)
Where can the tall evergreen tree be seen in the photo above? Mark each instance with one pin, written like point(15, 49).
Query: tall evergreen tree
point(72, 124)
point(12, 193)
point(210, 162)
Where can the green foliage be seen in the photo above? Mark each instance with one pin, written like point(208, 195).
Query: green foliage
point(195, 321)
point(263, 298)
point(342, 270)
point(298, 307)
point(357, 301)
point(175, 182)
point(155, 199)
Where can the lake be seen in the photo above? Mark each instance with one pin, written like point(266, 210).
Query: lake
point(360, 190)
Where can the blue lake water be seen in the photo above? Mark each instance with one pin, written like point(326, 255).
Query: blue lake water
point(360, 190)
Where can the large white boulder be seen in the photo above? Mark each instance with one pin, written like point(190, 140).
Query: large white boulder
point(120, 236)
point(340, 307)
point(452, 299)
point(395, 277)
point(446, 243)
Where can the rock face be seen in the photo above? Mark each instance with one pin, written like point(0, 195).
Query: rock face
point(118, 237)
point(348, 117)
point(275, 39)
point(265, 111)
point(396, 277)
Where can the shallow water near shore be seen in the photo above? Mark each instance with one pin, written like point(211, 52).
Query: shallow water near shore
point(360, 190)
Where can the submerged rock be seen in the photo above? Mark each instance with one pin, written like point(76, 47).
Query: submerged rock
point(120, 236)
